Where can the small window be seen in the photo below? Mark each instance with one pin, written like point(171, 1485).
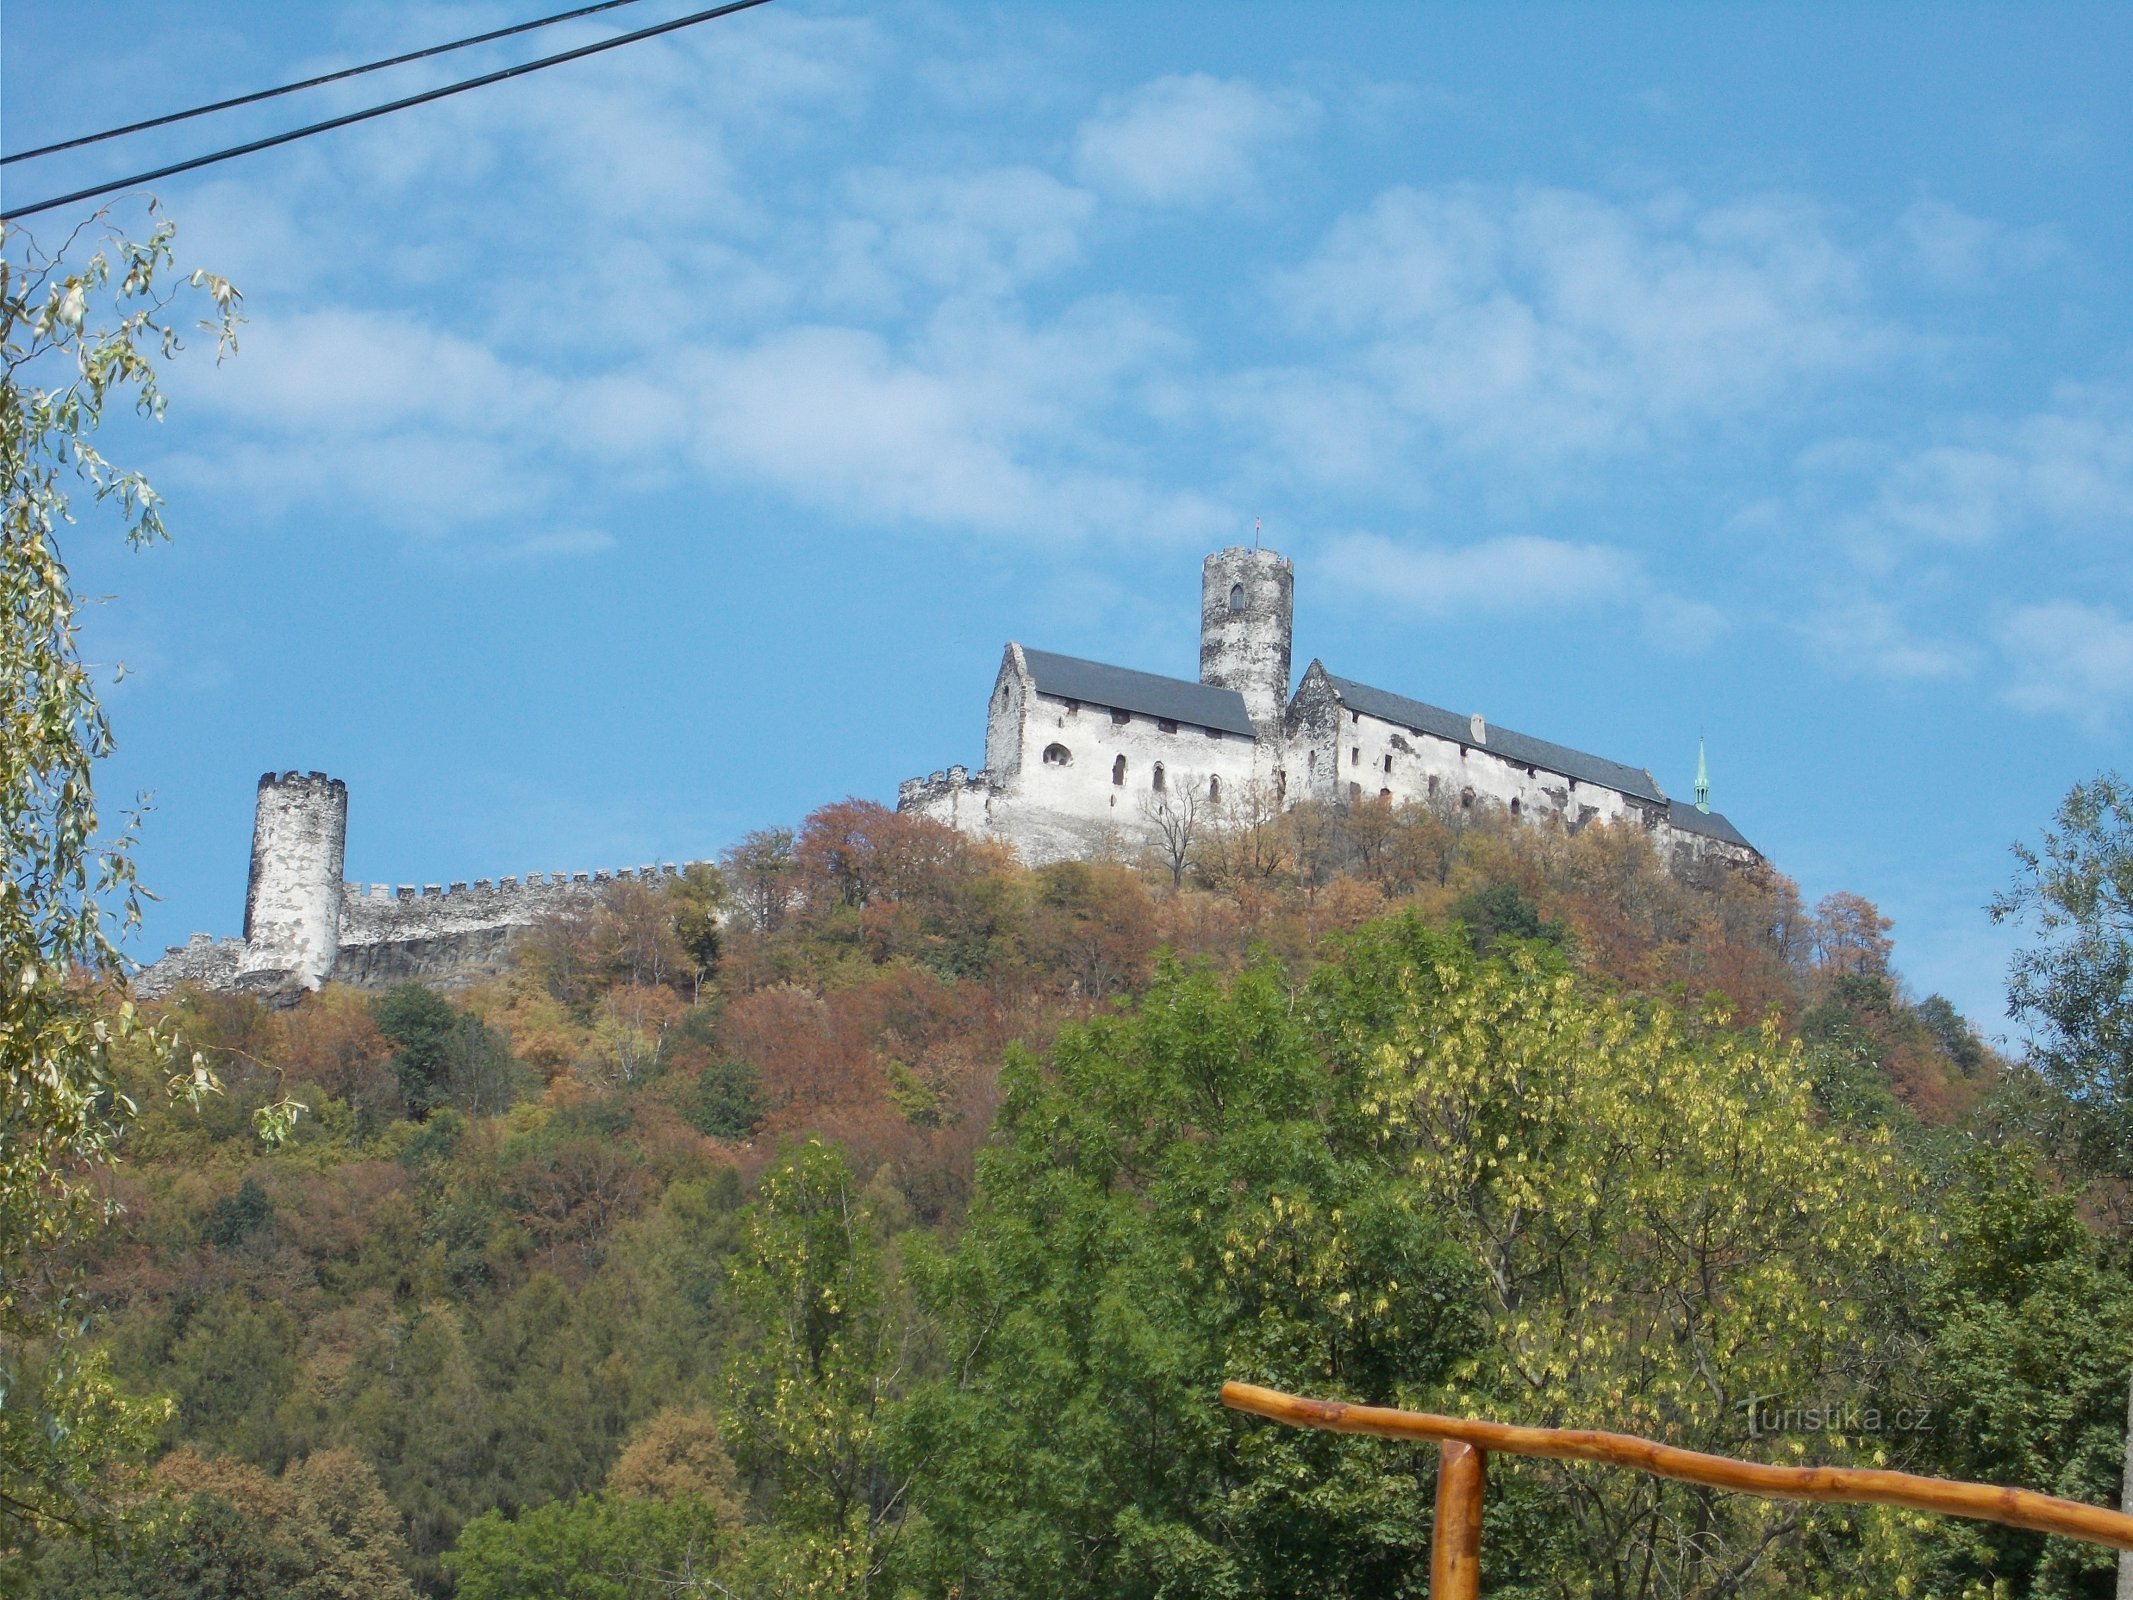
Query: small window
point(1355, 755)
point(1433, 786)
point(1515, 808)
point(1388, 761)
point(1355, 716)
point(1165, 725)
point(1236, 597)
point(1156, 781)
point(1385, 796)
point(1073, 708)
point(1120, 718)
point(1466, 799)
point(1214, 788)
point(1057, 755)
point(1214, 733)
point(1355, 791)
point(1310, 762)
point(1118, 771)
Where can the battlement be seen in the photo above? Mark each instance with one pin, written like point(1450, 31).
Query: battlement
point(937, 787)
point(386, 913)
point(318, 781)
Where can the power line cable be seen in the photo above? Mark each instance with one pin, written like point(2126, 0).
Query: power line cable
point(312, 83)
point(423, 98)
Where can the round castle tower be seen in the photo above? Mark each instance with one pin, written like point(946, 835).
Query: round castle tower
point(1247, 605)
point(292, 902)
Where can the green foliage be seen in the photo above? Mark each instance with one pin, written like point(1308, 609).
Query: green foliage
point(601, 1547)
point(74, 341)
point(1175, 1202)
point(445, 1056)
point(1498, 911)
point(226, 1531)
point(2031, 1342)
point(234, 1218)
point(724, 1100)
point(812, 1391)
point(2074, 986)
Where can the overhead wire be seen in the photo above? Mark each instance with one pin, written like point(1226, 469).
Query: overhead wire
point(11, 214)
point(313, 83)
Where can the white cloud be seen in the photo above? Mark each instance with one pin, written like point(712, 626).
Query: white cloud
point(1951, 249)
point(1188, 139)
point(2069, 659)
point(1540, 323)
point(1494, 575)
point(2064, 472)
point(1870, 637)
point(1519, 575)
point(984, 427)
point(985, 233)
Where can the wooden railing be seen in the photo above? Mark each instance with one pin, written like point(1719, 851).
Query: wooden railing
point(1462, 1472)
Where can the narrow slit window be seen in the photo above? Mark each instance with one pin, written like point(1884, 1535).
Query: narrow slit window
point(1155, 782)
point(1214, 788)
point(1118, 771)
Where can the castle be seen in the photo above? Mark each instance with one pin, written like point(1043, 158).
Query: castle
point(1080, 758)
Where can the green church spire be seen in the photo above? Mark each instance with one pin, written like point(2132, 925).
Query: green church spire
point(1703, 779)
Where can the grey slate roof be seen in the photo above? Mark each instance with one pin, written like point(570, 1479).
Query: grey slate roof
point(1517, 747)
point(1708, 823)
point(1179, 699)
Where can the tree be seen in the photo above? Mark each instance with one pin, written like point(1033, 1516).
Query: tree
point(760, 870)
point(2074, 988)
point(810, 1398)
point(446, 1056)
point(2074, 985)
point(1171, 1201)
point(1175, 814)
point(74, 340)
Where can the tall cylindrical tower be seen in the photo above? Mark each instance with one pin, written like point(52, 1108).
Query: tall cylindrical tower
point(1247, 604)
point(292, 903)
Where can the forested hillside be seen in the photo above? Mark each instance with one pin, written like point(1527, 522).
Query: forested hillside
point(880, 1217)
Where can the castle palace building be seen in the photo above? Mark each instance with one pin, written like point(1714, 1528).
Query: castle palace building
point(1083, 758)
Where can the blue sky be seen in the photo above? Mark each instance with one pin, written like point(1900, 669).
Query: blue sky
point(656, 448)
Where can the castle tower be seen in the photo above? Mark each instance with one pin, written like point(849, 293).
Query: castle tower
point(292, 903)
point(1247, 604)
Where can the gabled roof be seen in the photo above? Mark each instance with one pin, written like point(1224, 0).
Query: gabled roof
point(1178, 699)
point(1516, 747)
point(1708, 823)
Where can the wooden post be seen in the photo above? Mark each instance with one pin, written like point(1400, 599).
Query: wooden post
point(1455, 1549)
point(2125, 1556)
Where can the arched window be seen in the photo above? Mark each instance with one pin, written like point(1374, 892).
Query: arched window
point(1058, 755)
point(1214, 788)
point(1236, 597)
point(1385, 796)
point(1156, 782)
point(1514, 808)
point(1118, 771)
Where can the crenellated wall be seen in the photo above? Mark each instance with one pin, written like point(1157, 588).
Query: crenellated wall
point(304, 927)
